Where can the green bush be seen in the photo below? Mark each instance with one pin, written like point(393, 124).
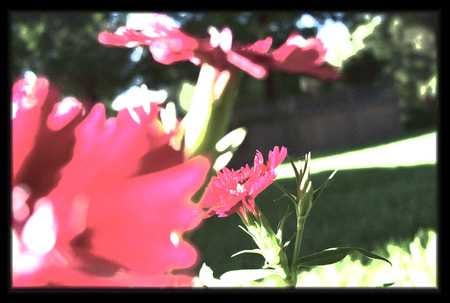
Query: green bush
point(412, 266)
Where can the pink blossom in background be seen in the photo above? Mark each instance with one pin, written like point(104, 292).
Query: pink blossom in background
point(235, 190)
point(97, 201)
point(168, 44)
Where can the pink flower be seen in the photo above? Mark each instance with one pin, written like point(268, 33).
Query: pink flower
point(168, 45)
point(235, 190)
point(97, 201)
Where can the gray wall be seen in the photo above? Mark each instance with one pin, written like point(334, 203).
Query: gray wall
point(347, 118)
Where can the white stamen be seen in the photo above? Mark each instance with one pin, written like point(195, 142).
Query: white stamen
point(39, 233)
point(174, 238)
point(214, 39)
point(22, 262)
point(147, 108)
point(138, 96)
point(240, 188)
point(134, 115)
point(168, 117)
point(224, 39)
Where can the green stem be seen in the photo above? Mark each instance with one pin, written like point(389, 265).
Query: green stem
point(297, 246)
point(220, 117)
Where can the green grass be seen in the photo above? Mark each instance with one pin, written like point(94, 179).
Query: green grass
point(366, 207)
point(413, 151)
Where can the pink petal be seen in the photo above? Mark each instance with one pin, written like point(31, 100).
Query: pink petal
point(63, 113)
point(255, 70)
point(25, 125)
point(260, 46)
point(307, 59)
point(151, 207)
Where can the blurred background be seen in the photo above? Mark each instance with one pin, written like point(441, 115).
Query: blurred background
point(377, 124)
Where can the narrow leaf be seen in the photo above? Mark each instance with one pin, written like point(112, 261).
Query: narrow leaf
point(388, 284)
point(318, 191)
point(291, 197)
point(248, 251)
point(333, 255)
point(247, 232)
point(297, 174)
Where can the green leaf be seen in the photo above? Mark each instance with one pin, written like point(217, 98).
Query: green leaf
point(303, 186)
point(333, 255)
point(247, 232)
point(297, 174)
point(318, 191)
point(281, 224)
point(388, 284)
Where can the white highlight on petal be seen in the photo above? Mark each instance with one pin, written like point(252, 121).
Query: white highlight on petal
point(169, 117)
point(20, 208)
point(22, 262)
point(14, 109)
point(222, 160)
point(121, 30)
point(39, 233)
point(131, 44)
point(66, 105)
point(174, 238)
point(30, 80)
point(158, 50)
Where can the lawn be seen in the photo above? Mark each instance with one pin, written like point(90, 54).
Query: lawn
point(381, 194)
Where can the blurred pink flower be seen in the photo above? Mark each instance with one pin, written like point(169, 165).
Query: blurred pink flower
point(235, 191)
point(97, 201)
point(168, 45)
